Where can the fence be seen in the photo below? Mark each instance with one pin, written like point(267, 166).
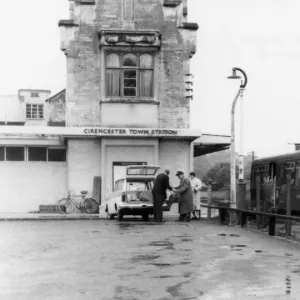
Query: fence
point(262, 218)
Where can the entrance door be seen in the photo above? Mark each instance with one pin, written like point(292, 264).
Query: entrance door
point(119, 170)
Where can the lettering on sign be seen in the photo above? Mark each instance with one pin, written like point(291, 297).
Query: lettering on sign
point(116, 131)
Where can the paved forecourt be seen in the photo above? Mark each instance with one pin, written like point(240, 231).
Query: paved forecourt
point(102, 259)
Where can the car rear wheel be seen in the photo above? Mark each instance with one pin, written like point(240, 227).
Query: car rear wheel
point(145, 217)
point(120, 217)
point(111, 217)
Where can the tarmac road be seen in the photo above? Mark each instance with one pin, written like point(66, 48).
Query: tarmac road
point(106, 260)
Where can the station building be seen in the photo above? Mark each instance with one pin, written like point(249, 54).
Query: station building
point(127, 101)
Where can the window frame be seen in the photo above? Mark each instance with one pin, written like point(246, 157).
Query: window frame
point(15, 146)
point(30, 116)
point(57, 161)
point(138, 69)
point(26, 153)
point(34, 95)
point(39, 161)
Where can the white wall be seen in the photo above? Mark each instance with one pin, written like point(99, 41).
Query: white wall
point(84, 163)
point(11, 109)
point(129, 115)
point(26, 185)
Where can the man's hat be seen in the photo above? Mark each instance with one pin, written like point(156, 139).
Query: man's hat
point(179, 173)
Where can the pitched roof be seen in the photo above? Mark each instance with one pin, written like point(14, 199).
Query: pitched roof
point(59, 95)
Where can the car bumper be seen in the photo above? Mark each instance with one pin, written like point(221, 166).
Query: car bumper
point(138, 209)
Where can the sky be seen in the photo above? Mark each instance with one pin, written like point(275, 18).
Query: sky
point(261, 37)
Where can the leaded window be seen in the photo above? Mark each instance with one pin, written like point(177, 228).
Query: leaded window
point(34, 111)
point(129, 75)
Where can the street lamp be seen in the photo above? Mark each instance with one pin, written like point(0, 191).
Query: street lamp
point(232, 157)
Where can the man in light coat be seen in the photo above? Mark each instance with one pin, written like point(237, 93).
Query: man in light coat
point(186, 197)
point(196, 186)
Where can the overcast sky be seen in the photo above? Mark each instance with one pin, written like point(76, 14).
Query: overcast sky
point(261, 37)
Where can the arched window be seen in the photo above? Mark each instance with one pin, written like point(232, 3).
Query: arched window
point(129, 75)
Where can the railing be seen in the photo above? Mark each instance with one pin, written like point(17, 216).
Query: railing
point(242, 213)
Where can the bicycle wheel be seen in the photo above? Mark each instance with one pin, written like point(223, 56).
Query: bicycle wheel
point(91, 206)
point(65, 206)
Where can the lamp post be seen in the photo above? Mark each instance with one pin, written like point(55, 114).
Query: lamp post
point(232, 156)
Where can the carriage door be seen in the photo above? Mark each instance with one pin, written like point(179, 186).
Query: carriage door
point(296, 200)
point(280, 186)
point(290, 170)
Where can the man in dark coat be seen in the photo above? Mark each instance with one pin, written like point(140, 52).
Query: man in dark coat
point(186, 197)
point(161, 185)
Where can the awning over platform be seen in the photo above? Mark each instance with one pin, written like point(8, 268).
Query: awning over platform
point(210, 143)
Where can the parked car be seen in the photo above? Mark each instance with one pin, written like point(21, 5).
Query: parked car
point(132, 194)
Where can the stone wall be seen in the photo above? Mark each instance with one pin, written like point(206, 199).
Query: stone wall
point(57, 109)
point(85, 49)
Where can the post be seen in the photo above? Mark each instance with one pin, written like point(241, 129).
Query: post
point(272, 225)
point(241, 197)
point(233, 160)
point(209, 196)
point(258, 201)
point(288, 223)
point(232, 155)
point(241, 156)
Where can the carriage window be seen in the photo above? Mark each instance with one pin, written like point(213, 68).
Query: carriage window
point(280, 171)
point(265, 173)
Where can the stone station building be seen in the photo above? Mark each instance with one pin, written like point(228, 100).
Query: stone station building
point(127, 101)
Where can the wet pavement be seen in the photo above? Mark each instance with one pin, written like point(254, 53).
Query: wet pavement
point(106, 260)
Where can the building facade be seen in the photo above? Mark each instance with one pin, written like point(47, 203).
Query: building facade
point(128, 66)
point(127, 101)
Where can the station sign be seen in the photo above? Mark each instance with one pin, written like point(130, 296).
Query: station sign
point(130, 132)
point(46, 131)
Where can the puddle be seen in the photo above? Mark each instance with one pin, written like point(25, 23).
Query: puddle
point(125, 226)
point(288, 285)
point(222, 234)
point(185, 263)
point(165, 276)
point(161, 244)
point(289, 254)
point(187, 240)
point(169, 248)
point(141, 258)
point(239, 246)
point(161, 265)
point(235, 235)
point(187, 274)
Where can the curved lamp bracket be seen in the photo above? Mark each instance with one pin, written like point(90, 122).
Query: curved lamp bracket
point(243, 85)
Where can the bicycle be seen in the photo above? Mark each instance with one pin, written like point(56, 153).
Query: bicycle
point(86, 205)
